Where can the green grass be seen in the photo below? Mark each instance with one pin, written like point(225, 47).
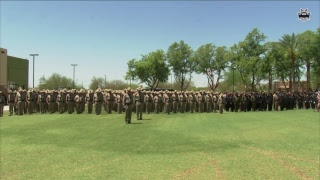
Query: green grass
point(253, 145)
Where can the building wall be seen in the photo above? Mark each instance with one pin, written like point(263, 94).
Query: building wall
point(17, 72)
point(3, 67)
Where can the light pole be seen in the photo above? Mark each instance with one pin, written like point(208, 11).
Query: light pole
point(74, 68)
point(33, 55)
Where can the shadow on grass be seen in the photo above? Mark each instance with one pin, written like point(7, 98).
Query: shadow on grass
point(146, 119)
point(135, 123)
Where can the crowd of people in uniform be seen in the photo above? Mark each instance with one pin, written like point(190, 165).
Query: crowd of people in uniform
point(140, 101)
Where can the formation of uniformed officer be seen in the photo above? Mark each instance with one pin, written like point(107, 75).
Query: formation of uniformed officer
point(69, 101)
point(127, 104)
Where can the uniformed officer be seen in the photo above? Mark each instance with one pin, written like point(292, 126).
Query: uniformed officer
point(182, 101)
point(221, 100)
point(191, 101)
point(127, 103)
point(77, 101)
point(89, 100)
point(137, 96)
point(11, 102)
point(2, 101)
point(166, 100)
point(276, 101)
point(119, 102)
point(31, 101)
point(156, 102)
point(147, 101)
point(98, 99)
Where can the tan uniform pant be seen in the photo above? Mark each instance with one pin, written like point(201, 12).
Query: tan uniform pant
point(128, 109)
point(20, 106)
point(175, 106)
point(11, 107)
point(31, 107)
point(139, 110)
point(221, 106)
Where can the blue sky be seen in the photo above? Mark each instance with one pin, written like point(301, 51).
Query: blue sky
point(101, 36)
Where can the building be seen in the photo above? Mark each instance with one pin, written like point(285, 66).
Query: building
point(14, 72)
point(284, 86)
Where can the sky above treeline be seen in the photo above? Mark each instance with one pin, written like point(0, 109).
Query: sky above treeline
point(101, 36)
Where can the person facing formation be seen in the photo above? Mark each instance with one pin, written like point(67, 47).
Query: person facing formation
point(127, 103)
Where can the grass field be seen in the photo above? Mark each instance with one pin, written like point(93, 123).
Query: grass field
point(253, 145)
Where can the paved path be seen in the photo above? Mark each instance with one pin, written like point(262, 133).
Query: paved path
point(6, 108)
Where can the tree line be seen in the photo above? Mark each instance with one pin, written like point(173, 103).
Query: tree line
point(253, 60)
point(57, 81)
point(243, 66)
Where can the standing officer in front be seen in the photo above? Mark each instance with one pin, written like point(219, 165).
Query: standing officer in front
point(127, 103)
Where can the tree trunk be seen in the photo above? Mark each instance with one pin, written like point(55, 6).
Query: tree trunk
point(290, 81)
point(270, 81)
point(252, 84)
point(308, 75)
point(293, 74)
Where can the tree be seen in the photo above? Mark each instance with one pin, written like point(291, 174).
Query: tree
point(175, 85)
point(316, 61)
point(180, 60)
point(131, 74)
point(56, 81)
point(152, 69)
point(253, 48)
point(236, 54)
point(211, 61)
point(232, 78)
point(267, 65)
point(290, 45)
point(97, 83)
point(306, 53)
point(281, 61)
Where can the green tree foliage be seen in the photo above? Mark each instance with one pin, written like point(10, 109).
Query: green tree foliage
point(232, 78)
point(254, 61)
point(175, 85)
point(315, 65)
point(236, 56)
point(253, 49)
point(56, 81)
point(282, 63)
point(306, 53)
point(211, 61)
point(151, 69)
point(131, 74)
point(290, 44)
point(180, 60)
point(97, 82)
point(268, 62)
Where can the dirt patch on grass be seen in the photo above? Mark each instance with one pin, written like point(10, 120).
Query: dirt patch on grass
point(188, 172)
point(198, 169)
point(298, 172)
point(218, 170)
